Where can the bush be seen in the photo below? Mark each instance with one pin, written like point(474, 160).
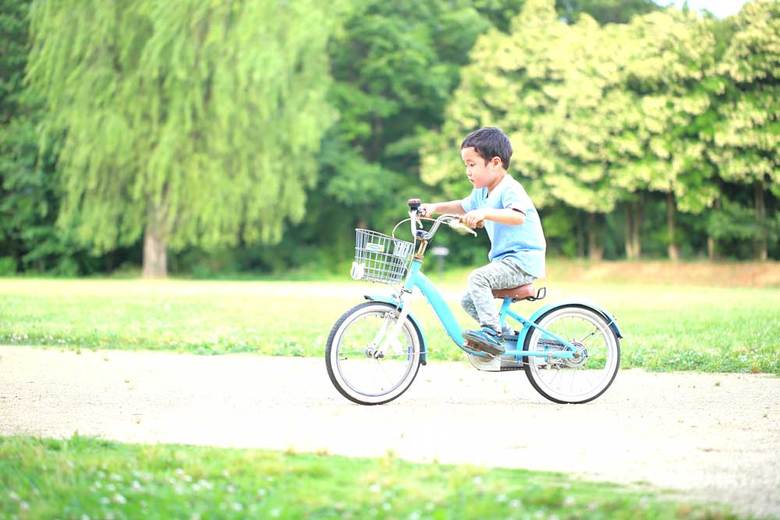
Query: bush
point(7, 266)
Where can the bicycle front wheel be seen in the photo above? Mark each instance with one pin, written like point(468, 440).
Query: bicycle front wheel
point(596, 359)
point(371, 357)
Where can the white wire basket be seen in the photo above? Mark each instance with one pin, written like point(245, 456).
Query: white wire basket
point(380, 258)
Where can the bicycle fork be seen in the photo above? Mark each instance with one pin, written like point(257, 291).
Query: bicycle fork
point(376, 349)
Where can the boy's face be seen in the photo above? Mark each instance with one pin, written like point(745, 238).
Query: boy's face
point(481, 173)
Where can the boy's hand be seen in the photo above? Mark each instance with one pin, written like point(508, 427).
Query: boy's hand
point(474, 218)
point(426, 210)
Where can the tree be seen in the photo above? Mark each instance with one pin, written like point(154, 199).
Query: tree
point(29, 194)
point(666, 80)
point(540, 84)
point(747, 137)
point(184, 122)
point(394, 66)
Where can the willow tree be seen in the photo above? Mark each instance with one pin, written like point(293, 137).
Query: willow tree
point(187, 123)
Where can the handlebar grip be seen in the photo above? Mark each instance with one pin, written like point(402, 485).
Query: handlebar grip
point(479, 225)
point(414, 204)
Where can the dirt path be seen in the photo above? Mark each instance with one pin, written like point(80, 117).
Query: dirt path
point(709, 436)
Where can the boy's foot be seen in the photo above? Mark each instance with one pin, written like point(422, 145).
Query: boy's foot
point(486, 339)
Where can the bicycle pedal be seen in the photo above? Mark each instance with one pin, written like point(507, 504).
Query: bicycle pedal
point(478, 348)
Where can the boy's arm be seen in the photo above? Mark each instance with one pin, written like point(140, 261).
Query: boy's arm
point(511, 217)
point(453, 207)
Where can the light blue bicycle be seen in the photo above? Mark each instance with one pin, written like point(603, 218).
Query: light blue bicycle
point(570, 350)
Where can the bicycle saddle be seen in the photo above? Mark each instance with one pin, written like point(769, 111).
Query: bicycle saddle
point(521, 292)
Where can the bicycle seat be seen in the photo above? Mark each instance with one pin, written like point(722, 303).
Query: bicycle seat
point(521, 292)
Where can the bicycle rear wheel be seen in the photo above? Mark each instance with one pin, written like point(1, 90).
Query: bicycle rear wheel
point(371, 359)
point(596, 362)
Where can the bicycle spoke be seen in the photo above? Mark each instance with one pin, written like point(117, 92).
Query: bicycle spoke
point(595, 331)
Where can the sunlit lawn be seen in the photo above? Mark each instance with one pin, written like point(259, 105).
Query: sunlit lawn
point(666, 327)
point(87, 478)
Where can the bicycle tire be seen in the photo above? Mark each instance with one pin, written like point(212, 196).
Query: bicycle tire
point(540, 371)
point(345, 381)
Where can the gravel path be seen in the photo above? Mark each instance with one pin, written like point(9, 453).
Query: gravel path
point(707, 436)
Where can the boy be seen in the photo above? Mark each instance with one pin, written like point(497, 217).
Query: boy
point(517, 242)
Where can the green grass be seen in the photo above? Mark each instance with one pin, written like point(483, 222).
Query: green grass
point(88, 478)
point(666, 327)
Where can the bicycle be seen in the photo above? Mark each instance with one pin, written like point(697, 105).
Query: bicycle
point(570, 351)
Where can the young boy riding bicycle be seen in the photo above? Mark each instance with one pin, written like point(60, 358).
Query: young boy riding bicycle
point(500, 204)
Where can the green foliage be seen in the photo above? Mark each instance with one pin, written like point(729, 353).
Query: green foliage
point(226, 130)
point(201, 119)
point(605, 11)
point(395, 65)
point(13, 44)
point(599, 114)
point(747, 136)
point(29, 191)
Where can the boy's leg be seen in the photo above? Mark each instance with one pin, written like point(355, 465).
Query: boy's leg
point(479, 301)
point(468, 305)
point(471, 310)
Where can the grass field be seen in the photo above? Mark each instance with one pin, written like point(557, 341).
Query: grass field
point(682, 322)
point(88, 478)
point(669, 326)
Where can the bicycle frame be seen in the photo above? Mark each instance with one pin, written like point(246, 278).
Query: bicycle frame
point(416, 279)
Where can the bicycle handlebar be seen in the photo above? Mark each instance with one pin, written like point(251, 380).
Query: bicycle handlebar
point(453, 221)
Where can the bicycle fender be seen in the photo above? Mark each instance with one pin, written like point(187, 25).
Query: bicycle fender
point(389, 299)
point(582, 303)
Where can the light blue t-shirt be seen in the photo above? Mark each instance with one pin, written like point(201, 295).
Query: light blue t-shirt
point(525, 242)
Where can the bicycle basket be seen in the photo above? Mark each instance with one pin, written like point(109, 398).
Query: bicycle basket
point(380, 258)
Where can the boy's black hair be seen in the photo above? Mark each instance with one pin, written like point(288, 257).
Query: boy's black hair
point(489, 142)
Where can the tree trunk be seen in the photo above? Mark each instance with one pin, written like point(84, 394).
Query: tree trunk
point(712, 243)
point(630, 253)
point(633, 225)
point(580, 226)
point(760, 241)
point(155, 246)
point(712, 249)
point(636, 234)
point(595, 249)
point(674, 249)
